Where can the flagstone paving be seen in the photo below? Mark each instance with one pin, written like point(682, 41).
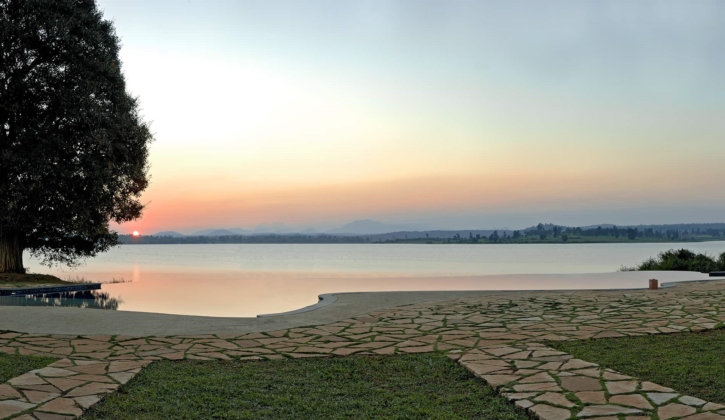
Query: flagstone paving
point(498, 338)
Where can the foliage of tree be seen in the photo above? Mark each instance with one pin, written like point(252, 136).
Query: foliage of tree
point(494, 236)
point(682, 260)
point(632, 233)
point(73, 147)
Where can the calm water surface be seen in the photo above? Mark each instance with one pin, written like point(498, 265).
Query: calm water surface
point(246, 280)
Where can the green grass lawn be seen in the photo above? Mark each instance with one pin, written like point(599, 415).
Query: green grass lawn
point(12, 365)
point(690, 363)
point(427, 386)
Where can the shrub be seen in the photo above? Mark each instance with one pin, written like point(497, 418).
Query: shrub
point(681, 260)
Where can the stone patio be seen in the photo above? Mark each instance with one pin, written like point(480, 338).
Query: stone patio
point(498, 338)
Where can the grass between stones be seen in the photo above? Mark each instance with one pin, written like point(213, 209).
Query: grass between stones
point(357, 387)
point(690, 363)
point(12, 365)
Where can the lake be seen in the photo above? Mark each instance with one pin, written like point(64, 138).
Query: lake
point(252, 279)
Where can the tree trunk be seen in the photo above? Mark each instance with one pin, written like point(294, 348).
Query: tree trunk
point(11, 252)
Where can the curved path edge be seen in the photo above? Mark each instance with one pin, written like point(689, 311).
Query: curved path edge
point(330, 308)
point(324, 300)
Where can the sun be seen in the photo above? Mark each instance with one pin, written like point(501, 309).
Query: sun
point(135, 233)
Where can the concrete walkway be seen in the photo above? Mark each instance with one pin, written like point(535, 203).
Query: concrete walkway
point(497, 336)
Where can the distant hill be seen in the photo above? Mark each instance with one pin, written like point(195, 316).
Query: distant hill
point(443, 234)
point(357, 227)
point(369, 227)
point(374, 231)
point(214, 232)
point(657, 228)
point(603, 226)
point(681, 226)
point(273, 228)
point(170, 233)
point(549, 233)
point(263, 229)
point(222, 232)
point(240, 231)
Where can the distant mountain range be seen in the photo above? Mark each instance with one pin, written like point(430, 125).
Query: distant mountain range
point(222, 232)
point(369, 227)
point(357, 227)
point(170, 233)
point(385, 231)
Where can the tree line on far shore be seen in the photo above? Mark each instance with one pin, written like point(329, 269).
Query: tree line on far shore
point(540, 233)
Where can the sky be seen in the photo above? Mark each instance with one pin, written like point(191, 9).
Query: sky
point(442, 114)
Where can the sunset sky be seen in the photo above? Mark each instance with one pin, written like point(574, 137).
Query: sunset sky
point(447, 114)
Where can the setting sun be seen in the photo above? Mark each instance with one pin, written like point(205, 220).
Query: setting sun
point(135, 233)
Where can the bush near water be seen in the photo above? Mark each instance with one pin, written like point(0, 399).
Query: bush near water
point(681, 260)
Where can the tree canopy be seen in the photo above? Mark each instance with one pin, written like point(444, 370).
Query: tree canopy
point(73, 145)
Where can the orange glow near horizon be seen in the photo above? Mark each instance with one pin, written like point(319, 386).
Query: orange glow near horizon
point(188, 206)
point(471, 115)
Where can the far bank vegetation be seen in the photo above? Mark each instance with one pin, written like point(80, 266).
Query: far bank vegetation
point(539, 234)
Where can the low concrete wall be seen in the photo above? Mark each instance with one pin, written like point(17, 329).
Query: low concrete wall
point(50, 289)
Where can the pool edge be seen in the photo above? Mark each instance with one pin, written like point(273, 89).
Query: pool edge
point(330, 298)
point(323, 300)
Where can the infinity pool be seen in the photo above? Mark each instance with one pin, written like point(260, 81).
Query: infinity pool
point(248, 280)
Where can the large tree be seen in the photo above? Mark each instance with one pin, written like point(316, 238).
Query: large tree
point(73, 147)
